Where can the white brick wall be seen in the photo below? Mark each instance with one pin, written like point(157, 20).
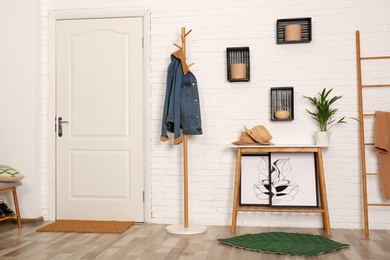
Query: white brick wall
point(328, 61)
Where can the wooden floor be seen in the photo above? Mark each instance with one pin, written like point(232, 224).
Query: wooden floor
point(149, 241)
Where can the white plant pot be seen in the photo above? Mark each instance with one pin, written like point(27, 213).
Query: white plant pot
point(322, 137)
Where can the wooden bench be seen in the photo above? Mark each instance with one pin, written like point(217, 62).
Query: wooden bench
point(11, 187)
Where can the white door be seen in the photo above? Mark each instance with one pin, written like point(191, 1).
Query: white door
point(99, 92)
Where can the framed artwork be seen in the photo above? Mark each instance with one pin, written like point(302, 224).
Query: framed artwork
point(293, 180)
point(254, 180)
point(279, 180)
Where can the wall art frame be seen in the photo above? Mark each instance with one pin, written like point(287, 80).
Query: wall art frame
point(279, 180)
point(293, 180)
point(254, 169)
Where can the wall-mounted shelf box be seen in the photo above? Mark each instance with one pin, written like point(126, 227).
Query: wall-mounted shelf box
point(238, 65)
point(282, 104)
point(305, 31)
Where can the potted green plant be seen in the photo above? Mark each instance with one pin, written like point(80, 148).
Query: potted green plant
point(324, 114)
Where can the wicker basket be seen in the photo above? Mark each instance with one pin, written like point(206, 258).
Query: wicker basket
point(282, 114)
point(238, 71)
point(292, 32)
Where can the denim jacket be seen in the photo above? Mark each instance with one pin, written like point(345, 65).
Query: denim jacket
point(181, 106)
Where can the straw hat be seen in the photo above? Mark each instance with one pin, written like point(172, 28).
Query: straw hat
point(245, 139)
point(256, 135)
point(260, 134)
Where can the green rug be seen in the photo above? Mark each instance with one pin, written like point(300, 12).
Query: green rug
point(284, 243)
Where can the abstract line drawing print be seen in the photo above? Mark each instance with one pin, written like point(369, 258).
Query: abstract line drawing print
point(279, 179)
point(253, 169)
point(278, 184)
point(262, 189)
point(294, 179)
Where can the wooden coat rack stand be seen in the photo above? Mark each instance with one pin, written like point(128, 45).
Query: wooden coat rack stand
point(185, 229)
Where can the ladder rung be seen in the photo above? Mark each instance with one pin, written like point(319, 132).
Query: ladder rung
point(376, 86)
point(378, 204)
point(368, 143)
point(368, 114)
point(375, 57)
point(373, 173)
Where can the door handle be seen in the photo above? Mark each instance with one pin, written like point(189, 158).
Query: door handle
point(60, 122)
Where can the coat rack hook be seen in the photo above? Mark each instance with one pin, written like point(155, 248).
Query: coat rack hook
point(178, 46)
point(188, 32)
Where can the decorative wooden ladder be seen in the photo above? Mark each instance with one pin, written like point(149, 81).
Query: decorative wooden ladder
point(363, 143)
